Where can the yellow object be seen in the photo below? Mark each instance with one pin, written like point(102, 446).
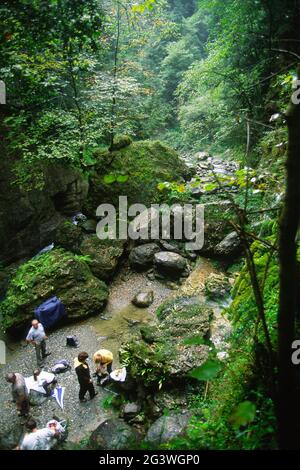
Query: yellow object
point(103, 356)
point(77, 363)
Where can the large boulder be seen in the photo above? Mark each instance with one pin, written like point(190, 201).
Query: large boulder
point(230, 247)
point(135, 171)
point(29, 217)
point(113, 434)
point(163, 354)
point(170, 264)
point(58, 273)
point(167, 428)
point(104, 256)
point(141, 257)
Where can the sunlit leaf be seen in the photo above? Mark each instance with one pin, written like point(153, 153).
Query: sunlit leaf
point(109, 179)
point(207, 371)
point(122, 178)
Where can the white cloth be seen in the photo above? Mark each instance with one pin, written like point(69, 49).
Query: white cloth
point(119, 375)
point(37, 385)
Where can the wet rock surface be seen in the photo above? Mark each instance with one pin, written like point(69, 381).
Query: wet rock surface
point(217, 286)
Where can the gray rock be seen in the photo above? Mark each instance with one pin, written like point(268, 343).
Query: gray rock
point(112, 434)
point(167, 428)
point(230, 246)
point(197, 192)
point(130, 410)
point(143, 299)
point(141, 257)
point(170, 264)
point(69, 279)
point(170, 246)
point(202, 155)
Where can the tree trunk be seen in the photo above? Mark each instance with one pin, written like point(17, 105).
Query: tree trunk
point(288, 406)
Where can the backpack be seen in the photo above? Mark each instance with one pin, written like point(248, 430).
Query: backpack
point(60, 366)
point(72, 341)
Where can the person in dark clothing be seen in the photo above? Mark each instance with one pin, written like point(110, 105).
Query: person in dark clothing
point(84, 377)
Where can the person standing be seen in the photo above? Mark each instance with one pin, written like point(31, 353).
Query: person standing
point(84, 377)
point(37, 337)
point(19, 392)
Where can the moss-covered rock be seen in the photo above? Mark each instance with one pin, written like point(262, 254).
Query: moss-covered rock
point(120, 142)
point(68, 236)
point(104, 256)
point(135, 172)
point(58, 273)
point(163, 355)
point(217, 286)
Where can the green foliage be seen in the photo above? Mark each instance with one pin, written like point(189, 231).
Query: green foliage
point(208, 371)
point(135, 171)
point(107, 402)
point(243, 414)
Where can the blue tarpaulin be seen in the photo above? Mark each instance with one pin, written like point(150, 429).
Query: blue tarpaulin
point(50, 312)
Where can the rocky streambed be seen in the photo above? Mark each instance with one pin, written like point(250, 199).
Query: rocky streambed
point(118, 324)
point(108, 329)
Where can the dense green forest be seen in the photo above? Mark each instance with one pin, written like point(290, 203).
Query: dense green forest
point(165, 102)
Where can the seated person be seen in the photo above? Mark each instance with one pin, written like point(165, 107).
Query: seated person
point(103, 360)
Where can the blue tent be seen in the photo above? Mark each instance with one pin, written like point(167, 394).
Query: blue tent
point(50, 312)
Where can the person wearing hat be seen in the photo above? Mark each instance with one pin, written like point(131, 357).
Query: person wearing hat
point(84, 377)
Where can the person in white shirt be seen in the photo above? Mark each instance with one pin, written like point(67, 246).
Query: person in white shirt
point(38, 439)
point(37, 337)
